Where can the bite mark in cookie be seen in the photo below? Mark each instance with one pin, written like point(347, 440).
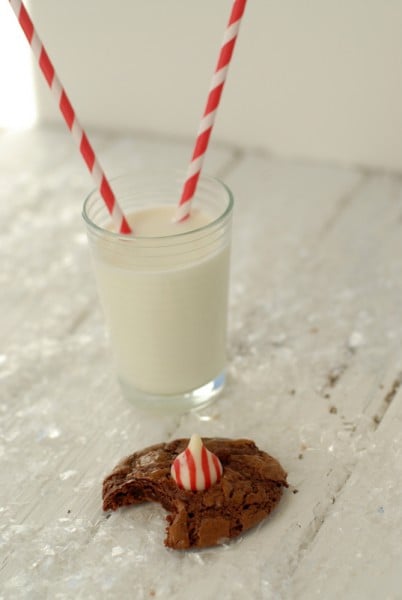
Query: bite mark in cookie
point(250, 487)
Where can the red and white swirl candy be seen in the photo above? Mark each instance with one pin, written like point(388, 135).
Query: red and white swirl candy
point(196, 468)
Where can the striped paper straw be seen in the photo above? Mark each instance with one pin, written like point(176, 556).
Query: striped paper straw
point(79, 135)
point(208, 118)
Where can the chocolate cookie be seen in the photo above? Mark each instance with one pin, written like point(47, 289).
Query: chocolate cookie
point(249, 489)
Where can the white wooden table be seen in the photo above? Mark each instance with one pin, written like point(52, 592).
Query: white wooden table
point(315, 379)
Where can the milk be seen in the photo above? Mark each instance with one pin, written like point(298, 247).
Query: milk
point(164, 296)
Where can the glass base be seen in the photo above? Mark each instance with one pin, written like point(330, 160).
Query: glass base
point(175, 403)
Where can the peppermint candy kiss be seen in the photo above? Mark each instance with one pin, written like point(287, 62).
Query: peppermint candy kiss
point(196, 468)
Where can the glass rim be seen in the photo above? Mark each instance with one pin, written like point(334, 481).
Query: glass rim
point(117, 236)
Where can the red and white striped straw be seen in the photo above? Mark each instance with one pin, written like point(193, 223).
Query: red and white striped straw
point(79, 135)
point(208, 118)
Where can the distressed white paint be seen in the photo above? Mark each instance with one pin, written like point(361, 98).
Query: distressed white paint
point(315, 364)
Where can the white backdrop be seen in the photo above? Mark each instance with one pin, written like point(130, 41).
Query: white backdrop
point(318, 79)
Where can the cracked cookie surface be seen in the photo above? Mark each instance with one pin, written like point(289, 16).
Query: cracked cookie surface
point(251, 486)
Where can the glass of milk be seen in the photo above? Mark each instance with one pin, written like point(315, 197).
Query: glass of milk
point(164, 289)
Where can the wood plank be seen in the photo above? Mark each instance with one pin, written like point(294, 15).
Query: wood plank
point(315, 311)
point(357, 550)
point(318, 438)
